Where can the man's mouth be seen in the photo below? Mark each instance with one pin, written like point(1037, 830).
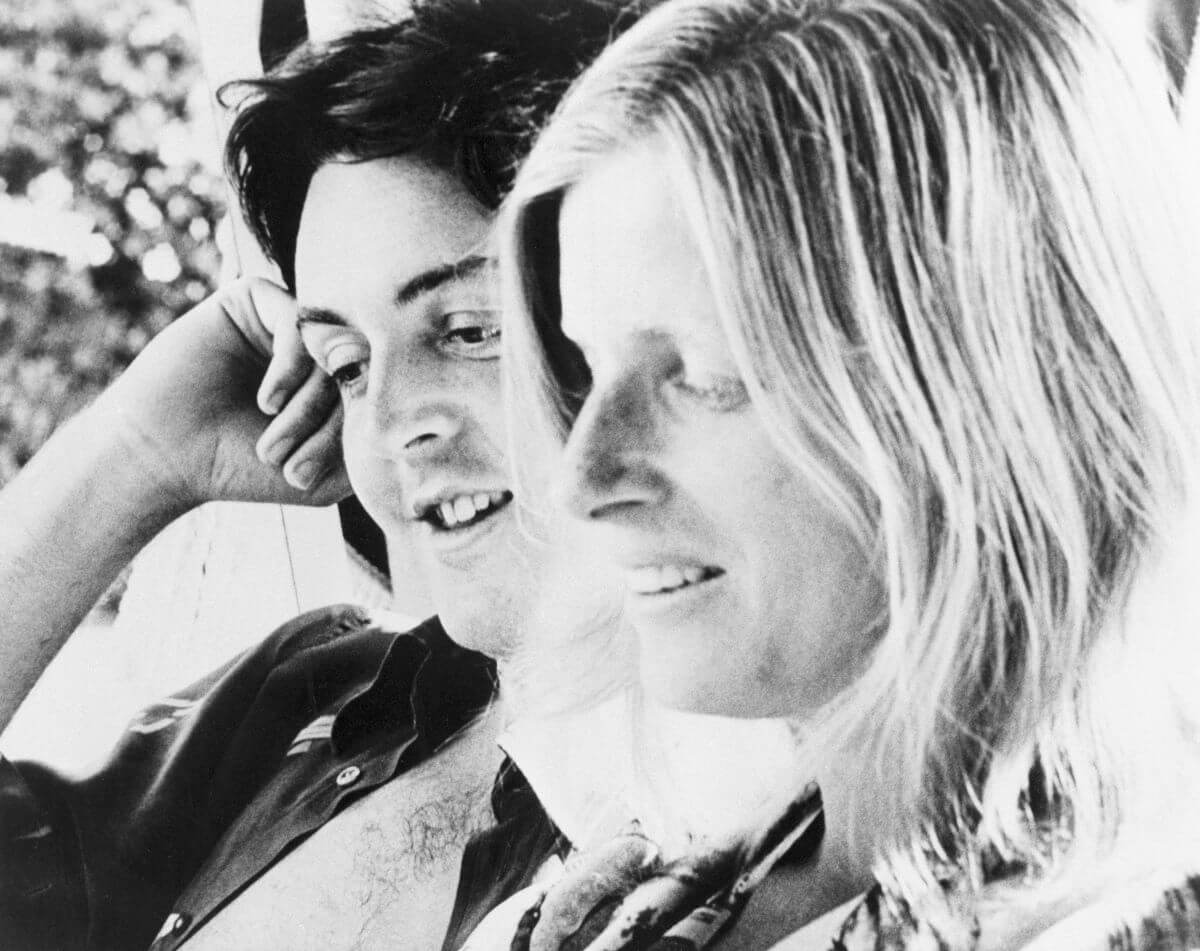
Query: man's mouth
point(668, 578)
point(464, 510)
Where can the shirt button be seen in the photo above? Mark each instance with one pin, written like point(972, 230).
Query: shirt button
point(175, 924)
point(348, 775)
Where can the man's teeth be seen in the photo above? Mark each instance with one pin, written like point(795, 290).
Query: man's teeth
point(657, 579)
point(465, 508)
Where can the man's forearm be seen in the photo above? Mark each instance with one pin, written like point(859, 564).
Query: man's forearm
point(69, 522)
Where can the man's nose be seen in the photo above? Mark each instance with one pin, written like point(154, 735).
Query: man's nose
point(412, 413)
point(610, 462)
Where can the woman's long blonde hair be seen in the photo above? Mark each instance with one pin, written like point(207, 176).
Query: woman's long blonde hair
point(955, 265)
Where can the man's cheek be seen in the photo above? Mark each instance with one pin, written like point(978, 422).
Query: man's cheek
point(375, 485)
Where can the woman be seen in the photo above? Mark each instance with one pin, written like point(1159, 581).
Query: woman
point(868, 326)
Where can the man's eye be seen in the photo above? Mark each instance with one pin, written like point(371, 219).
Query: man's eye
point(346, 364)
point(347, 375)
point(474, 336)
point(472, 333)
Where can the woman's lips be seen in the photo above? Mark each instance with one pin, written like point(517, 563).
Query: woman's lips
point(668, 577)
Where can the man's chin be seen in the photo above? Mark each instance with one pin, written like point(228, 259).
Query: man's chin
point(479, 617)
point(481, 584)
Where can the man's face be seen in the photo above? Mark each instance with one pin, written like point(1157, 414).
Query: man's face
point(395, 285)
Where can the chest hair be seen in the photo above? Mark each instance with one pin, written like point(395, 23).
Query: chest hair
point(383, 873)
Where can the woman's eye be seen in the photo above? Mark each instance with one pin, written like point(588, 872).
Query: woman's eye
point(719, 392)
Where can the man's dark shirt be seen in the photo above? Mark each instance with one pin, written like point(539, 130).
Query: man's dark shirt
point(212, 786)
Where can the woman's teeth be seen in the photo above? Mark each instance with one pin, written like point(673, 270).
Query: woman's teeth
point(463, 509)
point(659, 579)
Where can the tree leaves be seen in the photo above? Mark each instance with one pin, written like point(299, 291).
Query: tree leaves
point(103, 120)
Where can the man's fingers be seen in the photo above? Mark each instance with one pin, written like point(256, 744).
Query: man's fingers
point(258, 309)
point(319, 457)
point(290, 366)
point(310, 407)
point(265, 314)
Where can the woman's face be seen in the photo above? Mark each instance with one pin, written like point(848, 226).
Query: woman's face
point(749, 596)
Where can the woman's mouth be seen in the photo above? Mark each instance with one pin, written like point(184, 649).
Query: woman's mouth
point(668, 578)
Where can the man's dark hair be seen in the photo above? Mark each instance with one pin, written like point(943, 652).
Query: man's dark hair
point(467, 83)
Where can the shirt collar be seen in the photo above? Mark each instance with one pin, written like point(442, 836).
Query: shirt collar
point(580, 766)
point(597, 769)
point(446, 686)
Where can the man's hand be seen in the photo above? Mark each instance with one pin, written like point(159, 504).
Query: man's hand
point(195, 407)
point(177, 429)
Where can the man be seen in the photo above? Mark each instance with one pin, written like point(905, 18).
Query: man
point(322, 790)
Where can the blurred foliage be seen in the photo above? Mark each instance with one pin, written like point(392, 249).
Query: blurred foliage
point(104, 119)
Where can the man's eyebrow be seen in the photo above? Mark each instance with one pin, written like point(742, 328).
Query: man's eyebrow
point(410, 290)
point(435, 277)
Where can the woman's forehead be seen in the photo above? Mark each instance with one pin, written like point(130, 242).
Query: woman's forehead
point(627, 253)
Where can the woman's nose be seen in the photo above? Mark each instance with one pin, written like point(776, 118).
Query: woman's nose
point(610, 467)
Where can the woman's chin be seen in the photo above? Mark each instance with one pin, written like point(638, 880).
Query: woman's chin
point(686, 680)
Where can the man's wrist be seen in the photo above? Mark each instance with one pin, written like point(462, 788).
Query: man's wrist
point(131, 477)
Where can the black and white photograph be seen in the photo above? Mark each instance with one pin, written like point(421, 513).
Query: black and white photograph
point(600, 475)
